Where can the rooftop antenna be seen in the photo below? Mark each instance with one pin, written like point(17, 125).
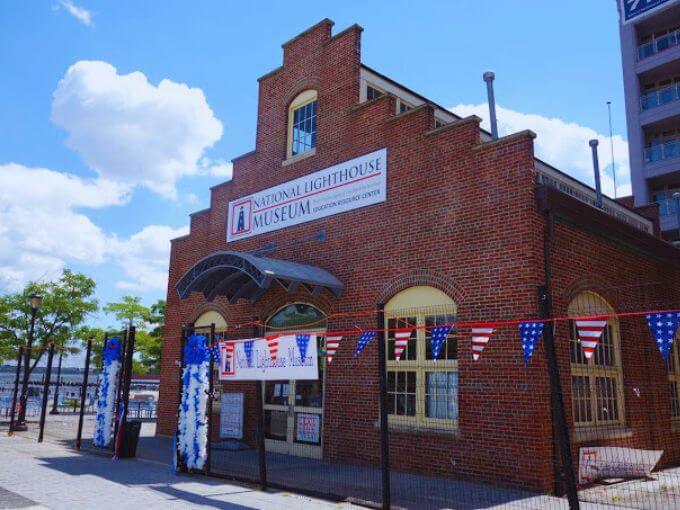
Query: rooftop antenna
point(488, 78)
point(611, 143)
point(596, 168)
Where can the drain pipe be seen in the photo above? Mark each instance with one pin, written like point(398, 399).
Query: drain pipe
point(489, 76)
point(596, 168)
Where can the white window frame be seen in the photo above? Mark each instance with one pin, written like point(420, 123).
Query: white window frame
point(302, 99)
point(430, 302)
point(590, 304)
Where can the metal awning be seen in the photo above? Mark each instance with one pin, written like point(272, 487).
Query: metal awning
point(247, 276)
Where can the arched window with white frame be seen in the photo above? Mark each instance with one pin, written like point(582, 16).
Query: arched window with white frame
point(422, 391)
point(302, 132)
point(596, 383)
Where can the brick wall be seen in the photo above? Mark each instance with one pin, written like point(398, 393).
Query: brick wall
point(460, 216)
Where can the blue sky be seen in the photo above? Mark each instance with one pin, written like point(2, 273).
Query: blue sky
point(79, 189)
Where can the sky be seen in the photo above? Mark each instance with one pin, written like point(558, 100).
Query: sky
point(118, 116)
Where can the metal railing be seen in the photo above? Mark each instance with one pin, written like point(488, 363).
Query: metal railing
point(666, 150)
point(660, 97)
point(656, 45)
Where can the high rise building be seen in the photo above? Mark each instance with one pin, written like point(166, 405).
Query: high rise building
point(650, 45)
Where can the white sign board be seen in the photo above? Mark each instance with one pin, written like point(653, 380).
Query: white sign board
point(272, 358)
point(597, 463)
point(231, 416)
point(308, 428)
point(356, 183)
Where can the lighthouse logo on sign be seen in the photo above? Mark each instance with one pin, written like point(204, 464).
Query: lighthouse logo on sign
point(240, 218)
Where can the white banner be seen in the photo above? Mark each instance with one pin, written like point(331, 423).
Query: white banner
point(613, 462)
point(272, 358)
point(356, 183)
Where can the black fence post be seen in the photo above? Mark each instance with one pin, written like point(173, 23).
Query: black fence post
point(560, 426)
point(119, 388)
point(15, 393)
point(384, 425)
point(83, 394)
point(180, 391)
point(127, 378)
point(46, 391)
point(211, 397)
point(261, 454)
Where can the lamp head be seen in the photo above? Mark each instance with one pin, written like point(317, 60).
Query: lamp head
point(35, 300)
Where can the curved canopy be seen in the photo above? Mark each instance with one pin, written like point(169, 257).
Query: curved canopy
point(244, 275)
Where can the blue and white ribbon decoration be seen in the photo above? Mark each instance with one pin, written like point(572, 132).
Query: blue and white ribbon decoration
point(193, 430)
point(107, 394)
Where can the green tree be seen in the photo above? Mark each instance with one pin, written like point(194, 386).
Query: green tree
point(67, 302)
point(84, 333)
point(130, 310)
point(149, 335)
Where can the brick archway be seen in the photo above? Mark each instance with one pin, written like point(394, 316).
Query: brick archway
point(406, 280)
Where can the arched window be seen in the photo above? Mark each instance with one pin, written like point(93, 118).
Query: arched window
point(302, 114)
point(596, 383)
point(202, 324)
point(422, 392)
point(297, 314)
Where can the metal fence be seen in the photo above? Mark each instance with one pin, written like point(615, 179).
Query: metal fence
point(571, 428)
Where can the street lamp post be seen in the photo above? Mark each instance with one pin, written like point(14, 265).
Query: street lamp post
point(34, 300)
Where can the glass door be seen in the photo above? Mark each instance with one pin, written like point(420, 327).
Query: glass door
point(293, 410)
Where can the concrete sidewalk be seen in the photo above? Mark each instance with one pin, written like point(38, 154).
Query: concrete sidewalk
point(48, 475)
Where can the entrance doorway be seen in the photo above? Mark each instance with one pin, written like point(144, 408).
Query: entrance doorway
point(293, 410)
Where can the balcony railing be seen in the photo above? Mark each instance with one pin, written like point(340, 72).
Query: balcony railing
point(662, 151)
point(656, 45)
point(660, 97)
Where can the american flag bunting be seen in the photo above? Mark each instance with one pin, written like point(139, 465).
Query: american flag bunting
point(365, 339)
point(214, 351)
point(401, 338)
point(439, 334)
point(248, 350)
point(332, 344)
point(589, 333)
point(664, 326)
point(480, 337)
point(273, 344)
point(530, 333)
point(302, 343)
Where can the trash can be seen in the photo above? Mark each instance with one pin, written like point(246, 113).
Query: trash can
point(130, 439)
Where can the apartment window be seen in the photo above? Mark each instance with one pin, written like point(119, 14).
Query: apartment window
point(302, 115)
point(373, 93)
point(673, 364)
point(404, 106)
point(438, 123)
point(596, 383)
point(422, 392)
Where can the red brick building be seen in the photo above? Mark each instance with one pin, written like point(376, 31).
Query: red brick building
point(466, 230)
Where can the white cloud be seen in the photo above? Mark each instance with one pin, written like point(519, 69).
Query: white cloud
point(43, 230)
point(144, 257)
point(40, 227)
point(217, 168)
point(130, 131)
point(563, 144)
point(82, 15)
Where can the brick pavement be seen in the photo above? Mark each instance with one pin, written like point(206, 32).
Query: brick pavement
point(51, 476)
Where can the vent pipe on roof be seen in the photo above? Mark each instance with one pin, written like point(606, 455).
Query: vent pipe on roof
point(488, 78)
point(596, 168)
